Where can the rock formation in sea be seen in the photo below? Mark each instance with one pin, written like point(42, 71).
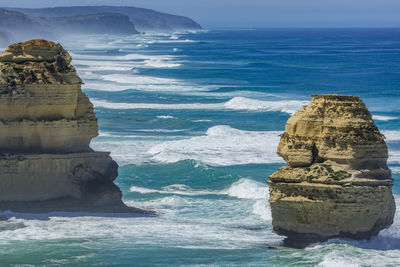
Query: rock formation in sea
point(336, 182)
point(46, 125)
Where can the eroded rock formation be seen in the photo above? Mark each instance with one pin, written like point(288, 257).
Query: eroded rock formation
point(46, 125)
point(337, 183)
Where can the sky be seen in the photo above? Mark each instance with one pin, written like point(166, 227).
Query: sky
point(257, 13)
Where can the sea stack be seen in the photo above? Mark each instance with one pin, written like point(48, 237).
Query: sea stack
point(46, 125)
point(336, 182)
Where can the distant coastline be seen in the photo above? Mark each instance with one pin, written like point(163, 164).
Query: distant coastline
point(18, 24)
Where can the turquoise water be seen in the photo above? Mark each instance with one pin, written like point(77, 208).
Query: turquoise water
point(193, 120)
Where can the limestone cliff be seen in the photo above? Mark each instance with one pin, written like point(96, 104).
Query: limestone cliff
point(21, 26)
point(144, 19)
point(337, 183)
point(46, 125)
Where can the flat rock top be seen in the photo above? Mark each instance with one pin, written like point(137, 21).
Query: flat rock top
point(36, 61)
point(36, 50)
point(337, 97)
point(35, 43)
point(337, 128)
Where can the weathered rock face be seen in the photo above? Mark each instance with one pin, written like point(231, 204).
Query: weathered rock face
point(337, 183)
point(42, 107)
point(46, 125)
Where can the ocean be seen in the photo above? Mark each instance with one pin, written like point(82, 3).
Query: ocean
point(193, 119)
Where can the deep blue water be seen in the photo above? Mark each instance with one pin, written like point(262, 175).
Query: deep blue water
point(193, 120)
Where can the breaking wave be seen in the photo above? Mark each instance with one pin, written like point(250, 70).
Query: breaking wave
point(236, 103)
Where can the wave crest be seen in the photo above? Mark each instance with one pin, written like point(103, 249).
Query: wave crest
point(221, 146)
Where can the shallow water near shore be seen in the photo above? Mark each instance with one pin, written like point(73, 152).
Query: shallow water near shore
point(193, 120)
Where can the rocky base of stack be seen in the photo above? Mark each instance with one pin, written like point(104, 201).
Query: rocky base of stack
point(308, 212)
point(60, 182)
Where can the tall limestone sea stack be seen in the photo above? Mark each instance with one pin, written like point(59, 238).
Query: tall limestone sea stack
point(46, 125)
point(337, 183)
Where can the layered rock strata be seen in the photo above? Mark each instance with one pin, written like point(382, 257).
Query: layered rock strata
point(46, 125)
point(336, 182)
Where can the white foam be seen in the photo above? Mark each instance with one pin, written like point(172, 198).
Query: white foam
point(170, 41)
point(335, 259)
point(391, 135)
point(236, 103)
point(102, 65)
point(162, 130)
point(125, 151)
point(394, 156)
point(137, 80)
point(248, 189)
point(143, 190)
point(243, 103)
point(175, 189)
point(166, 117)
point(395, 170)
point(201, 120)
point(127, 57)
point(384, 118)
point(245, 188)
point(88, 75)
point(262, 209)
point(112, 105)
point(165, 231)
point(221, 146)
point(126, 62)
point(157, 63)
point(150, 83)
point(101, 86)
point(381, 250)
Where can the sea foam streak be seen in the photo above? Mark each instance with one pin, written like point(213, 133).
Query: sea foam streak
point(244, 188)
point(243, 103)
point(248, 189)
point(175, 189)
point(175, 225)
point(126, 62)
point(125, 151)
point(127, 57)
point(236, 103)
point(391, 135)
point(147, 83)
point(221, 146)
point(156, 63)
point(384, 118)
point(136, 79)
